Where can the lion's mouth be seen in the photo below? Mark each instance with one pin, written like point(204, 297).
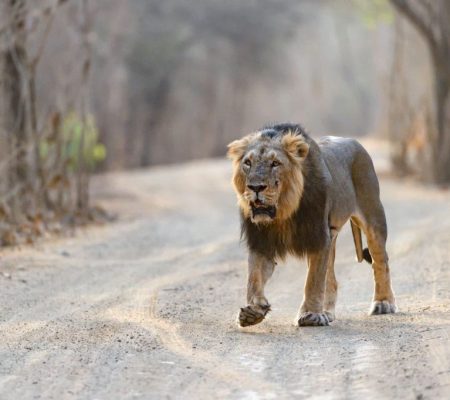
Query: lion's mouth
point(259, 208)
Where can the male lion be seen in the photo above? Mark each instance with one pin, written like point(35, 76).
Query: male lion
point(294, 196)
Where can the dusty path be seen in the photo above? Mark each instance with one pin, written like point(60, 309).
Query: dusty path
point(145, 308)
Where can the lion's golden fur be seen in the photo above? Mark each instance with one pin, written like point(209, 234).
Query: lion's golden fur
point(295, 195)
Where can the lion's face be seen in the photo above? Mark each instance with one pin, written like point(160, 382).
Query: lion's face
point(267, 174)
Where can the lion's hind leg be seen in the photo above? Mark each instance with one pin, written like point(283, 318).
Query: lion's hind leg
point(371, 219)
point(376, 232)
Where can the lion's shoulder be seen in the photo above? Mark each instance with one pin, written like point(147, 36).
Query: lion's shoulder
point(342, 153)
point(336, 143)
point(341, 145)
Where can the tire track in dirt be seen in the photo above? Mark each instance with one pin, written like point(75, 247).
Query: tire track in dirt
point(145, 308)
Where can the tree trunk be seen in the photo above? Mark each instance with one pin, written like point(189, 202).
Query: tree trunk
point(14, 58)
point(83, 172)
point(432, 20)
point(442, 145)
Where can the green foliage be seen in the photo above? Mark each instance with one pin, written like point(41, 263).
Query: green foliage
point(73, 133)
point(374, 12)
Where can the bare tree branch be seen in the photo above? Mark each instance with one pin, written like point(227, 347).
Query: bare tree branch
point(35, 60)
point(419, 14)
point(35, 15)
point(431, 19)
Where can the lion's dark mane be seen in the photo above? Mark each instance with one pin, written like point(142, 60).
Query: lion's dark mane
point(307, 229)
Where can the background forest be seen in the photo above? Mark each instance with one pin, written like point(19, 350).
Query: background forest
point(89, 86)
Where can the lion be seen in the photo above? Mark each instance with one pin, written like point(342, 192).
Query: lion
point(294, 196)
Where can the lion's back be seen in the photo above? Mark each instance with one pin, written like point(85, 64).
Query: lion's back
point(352, 171)
point(342, 150)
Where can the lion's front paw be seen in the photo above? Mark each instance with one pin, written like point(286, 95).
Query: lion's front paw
point(382, 307)
point(252, 315)
point(313, 319)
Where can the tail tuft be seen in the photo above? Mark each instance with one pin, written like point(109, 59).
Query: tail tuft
point(367, 256)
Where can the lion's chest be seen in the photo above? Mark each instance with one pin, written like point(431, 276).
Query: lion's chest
point(296, 236)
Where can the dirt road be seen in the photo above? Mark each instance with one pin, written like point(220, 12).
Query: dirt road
point(145, 308)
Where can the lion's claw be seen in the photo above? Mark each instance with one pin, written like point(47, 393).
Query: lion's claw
point(313, 319)
point(382, 307)
point(252, 315)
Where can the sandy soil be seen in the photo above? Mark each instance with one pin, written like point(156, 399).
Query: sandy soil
point(145, 308)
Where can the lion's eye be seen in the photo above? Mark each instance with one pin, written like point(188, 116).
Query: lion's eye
point(248, 163)
point(275, 163)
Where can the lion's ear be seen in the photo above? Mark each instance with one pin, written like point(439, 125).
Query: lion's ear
point(295, 146)
point(237, 148)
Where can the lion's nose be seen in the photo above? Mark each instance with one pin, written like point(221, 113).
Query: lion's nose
point(257, 188)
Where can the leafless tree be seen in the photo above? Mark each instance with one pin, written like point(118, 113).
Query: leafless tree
point(432, 20)
point(44, 180)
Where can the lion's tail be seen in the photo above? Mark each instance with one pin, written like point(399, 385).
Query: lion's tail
point(361, 254)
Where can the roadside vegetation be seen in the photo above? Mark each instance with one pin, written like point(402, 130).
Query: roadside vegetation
point(83, 92)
